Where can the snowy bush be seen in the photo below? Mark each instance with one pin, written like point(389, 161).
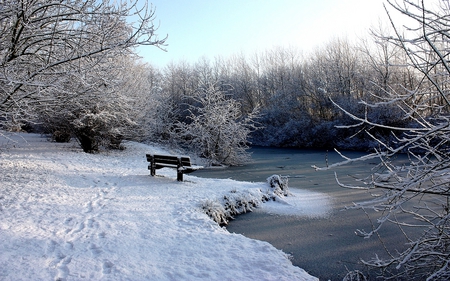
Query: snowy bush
point(217, 129)
point(216, 211)
point(232, 204)
point(100, 120)
point(93, 128)
point(239, 202)
point(59, 57)
point(278, 186)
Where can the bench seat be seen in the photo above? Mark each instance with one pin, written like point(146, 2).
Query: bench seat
point(181, 163)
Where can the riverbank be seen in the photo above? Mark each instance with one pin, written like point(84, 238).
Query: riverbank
point(68, 215)
point(325, 246)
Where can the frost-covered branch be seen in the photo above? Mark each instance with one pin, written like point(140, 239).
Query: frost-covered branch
point(416, 190)
point(216, 128)
point(47, 45)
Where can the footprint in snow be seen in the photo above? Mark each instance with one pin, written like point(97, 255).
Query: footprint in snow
point(56, 258)
point(68, 245)
point(50, 248)
point(88, 207)
point(68, 221)
point(107, 267)
point(80, 227)
point(63, 269)
point(95, 250)
point(97, 204)
point(90, 222)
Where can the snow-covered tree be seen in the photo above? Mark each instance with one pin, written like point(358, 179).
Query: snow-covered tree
point(150, 106)
point(216, 128)
point(417, 193)
point(58, 56)
point(97, 108)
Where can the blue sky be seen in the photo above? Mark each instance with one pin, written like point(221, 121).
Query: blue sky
point(210, 28)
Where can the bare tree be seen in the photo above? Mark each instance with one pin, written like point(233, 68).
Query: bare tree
point(417, 191)
point(142, 85)
point(216, 128)
point(52, 52)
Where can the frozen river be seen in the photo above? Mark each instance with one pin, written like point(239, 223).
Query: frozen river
point(325, 247)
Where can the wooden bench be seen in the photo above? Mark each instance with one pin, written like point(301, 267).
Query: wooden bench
point(181, 163)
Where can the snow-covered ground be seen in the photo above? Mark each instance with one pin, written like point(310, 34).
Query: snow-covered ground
point(68, 215)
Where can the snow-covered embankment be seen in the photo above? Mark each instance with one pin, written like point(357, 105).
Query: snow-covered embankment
point(68, 215)
point(221, 210)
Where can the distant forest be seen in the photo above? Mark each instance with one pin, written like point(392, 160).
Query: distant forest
point(297, 96)
point(71, 71)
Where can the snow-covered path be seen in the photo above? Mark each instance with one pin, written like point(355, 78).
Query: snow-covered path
point(68, 215)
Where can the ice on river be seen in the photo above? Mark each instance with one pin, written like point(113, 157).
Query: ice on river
point(302, 203)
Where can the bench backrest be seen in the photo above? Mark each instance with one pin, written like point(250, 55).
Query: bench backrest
point(169, 160)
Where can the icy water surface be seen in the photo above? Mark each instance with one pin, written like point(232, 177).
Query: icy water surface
point(326, 247)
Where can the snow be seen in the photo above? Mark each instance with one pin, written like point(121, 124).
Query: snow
point(68, 215)
point(302, 203)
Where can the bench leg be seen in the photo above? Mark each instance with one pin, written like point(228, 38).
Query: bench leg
point(179, 171)
point(152, 169)
point(179, 176)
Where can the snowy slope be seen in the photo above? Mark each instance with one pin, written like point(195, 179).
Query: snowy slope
point(68, 215)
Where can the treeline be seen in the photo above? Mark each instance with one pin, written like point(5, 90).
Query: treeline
point(64, 67)
point(72, 73)
point(298, 97)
